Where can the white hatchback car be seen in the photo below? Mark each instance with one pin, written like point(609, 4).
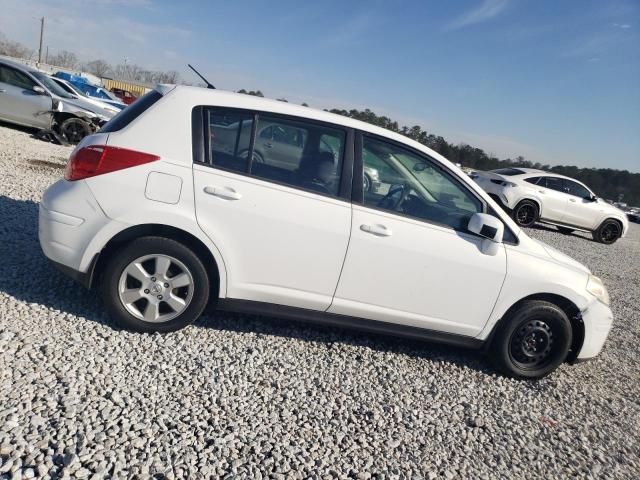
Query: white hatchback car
point(163, 214)
point(537, 196)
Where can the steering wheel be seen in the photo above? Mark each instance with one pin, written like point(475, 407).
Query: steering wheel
point(394, 197)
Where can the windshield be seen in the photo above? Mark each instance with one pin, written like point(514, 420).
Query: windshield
point(51, 85)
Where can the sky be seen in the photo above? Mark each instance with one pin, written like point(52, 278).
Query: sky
point(555, 81)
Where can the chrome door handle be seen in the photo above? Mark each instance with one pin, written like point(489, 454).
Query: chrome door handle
point(377, 230)
point(2, 90)
point(227, 193)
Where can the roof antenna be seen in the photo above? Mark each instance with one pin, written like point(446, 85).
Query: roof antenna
point(205, 80)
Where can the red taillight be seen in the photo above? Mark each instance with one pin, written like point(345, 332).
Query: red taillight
point(99, 159)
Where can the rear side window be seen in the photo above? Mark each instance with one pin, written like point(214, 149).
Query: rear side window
point(554, 183)
point(298, 154)
point(229, 138)
point(533, 180)
point(133, 111)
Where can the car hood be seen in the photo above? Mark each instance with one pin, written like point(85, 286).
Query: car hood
point(72, 104)
point(560, 257)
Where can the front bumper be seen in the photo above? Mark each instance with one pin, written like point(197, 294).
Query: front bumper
point(597, 318)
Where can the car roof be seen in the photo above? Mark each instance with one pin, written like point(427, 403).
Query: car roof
point(18, 65)
point(224, 98)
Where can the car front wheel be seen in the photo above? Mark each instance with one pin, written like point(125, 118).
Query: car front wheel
point(155, 284)
point(533, 340)
point(608, 232)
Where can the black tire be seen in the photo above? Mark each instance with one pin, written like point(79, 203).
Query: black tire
point(608, 232)
point(198, 297)
point(367, 183)
point(526, 213)
point(532, 341)
point(74, 129)
point(565, 230)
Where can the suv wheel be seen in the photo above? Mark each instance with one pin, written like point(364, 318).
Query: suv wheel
point(608, 232)
point(526, 213)
point(155, 284)
point(533, 341)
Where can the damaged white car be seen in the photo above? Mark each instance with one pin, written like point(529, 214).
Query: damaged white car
point(30, 98)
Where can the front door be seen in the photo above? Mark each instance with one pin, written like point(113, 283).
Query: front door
point(582, 210)
point(283, 237)
point(19, 103)
point(410, 259)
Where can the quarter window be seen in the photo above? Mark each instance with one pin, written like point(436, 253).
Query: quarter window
point(533, 180)
point(415, 186)
point(229, 139)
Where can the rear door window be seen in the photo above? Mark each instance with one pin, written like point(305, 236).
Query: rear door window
point(13, 77)
point(553, 183)
point(229, 138)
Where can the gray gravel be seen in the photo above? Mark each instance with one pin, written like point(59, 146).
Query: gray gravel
point(253, 397)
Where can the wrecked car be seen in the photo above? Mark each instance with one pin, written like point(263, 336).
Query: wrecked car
point(30, 98)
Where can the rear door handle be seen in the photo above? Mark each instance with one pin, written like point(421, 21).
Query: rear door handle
point(541, 191)
point(227, 193)
point(2, 90)
point(377, 230)
point(572, 200)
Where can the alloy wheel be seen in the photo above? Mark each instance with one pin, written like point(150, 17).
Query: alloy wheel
point(156, 288)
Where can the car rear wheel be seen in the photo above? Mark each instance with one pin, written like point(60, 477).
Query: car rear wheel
point(155, 284)
point(608, 232)
point(526, 213)
point(565, 230)
point(533, 340)
point(74, 129)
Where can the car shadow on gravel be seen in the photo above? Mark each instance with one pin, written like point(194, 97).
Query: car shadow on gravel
point(574, 234)
point(29, 277)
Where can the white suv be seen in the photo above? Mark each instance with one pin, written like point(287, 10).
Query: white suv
point(163, 214)
point(534, 195)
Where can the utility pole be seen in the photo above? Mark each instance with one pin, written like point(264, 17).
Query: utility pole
point(41, 35)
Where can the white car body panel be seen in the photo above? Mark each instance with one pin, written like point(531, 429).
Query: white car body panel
point(281, 245)
point(418, 274)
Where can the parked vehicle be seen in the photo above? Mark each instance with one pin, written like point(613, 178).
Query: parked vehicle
point(92, 91)
point(73, 90)
point(29, 97)
point(125, 95)
point(537, 196)
point(197, 217)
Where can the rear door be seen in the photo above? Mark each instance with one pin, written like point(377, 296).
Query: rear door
point(282, 232)
point(19, 103)
point(554, 199)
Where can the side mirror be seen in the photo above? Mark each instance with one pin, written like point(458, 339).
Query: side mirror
point(488, 227)
point(592, 198)
point(39, 90)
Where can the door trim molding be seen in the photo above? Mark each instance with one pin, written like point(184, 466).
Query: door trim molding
point(347, 322)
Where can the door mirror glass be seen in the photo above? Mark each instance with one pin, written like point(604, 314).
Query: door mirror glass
point(39, 90)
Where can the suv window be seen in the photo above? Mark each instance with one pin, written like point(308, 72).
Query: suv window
point(533, 180)
point(574, 188)
point(508, 171)
point(133, 111)
point(415, 186)
point(11, 76)
point(299, 154)
point(554, 183)
point(229, 138)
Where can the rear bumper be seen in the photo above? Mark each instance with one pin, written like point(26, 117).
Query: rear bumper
point(69, 218)
point(598, 320)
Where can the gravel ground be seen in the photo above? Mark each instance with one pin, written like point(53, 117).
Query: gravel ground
point(253, 397)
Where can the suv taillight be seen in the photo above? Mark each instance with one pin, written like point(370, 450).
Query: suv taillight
point(99, 159)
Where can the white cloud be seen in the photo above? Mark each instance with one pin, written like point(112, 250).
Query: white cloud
point(623, 26)
point(487, 10)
